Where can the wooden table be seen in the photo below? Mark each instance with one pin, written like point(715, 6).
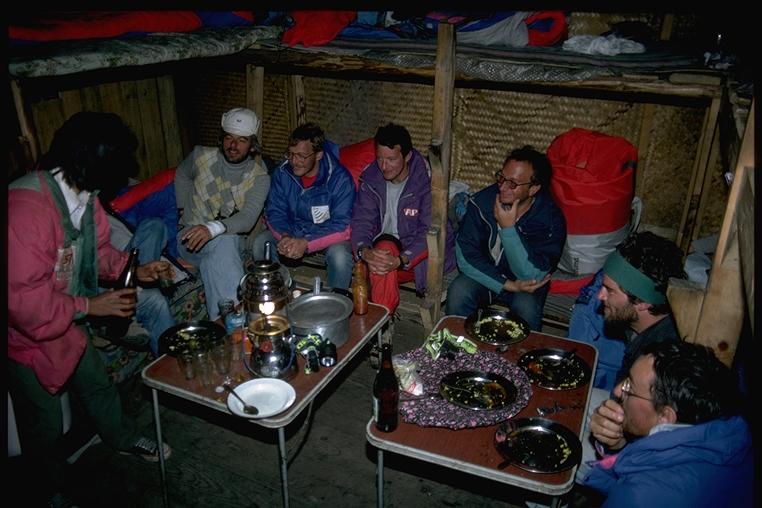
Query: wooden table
point(164, 375)
point(472, 450)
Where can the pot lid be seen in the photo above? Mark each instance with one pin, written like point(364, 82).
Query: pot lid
point(311, 310)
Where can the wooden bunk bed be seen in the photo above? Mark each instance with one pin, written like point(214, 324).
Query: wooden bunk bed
point(442, 64)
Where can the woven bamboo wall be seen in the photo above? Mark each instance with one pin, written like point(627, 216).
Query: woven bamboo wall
point(487, 124)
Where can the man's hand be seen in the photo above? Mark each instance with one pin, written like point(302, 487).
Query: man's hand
point(150, 271)
point(293, 248)
point(505, 215)
point(606, 424)
point(114, 302)
point(380, 261)
point(525, 286)
point(196, 237)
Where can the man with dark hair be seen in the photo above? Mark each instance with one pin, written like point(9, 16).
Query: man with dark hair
point(310, 205)
point(510, 240)
point(676, 426)
point(58, 245)
point(220, 193)
point(392, 216)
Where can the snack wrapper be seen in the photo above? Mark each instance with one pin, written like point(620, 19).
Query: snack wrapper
point(407, 376)
point(444, 341)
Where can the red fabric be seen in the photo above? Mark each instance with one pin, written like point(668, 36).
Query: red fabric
point(357, 157)
point(556, 33)
point(315, 28)
point(99, 25)
point(593, 180)
point(143, 189)
point(569, 286)
point(385, 289)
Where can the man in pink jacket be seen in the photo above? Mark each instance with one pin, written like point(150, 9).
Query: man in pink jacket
point(58, 247)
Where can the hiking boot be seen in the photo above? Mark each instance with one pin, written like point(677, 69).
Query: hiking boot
point(147, 449)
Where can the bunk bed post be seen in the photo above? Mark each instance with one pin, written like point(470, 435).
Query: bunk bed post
point(444, 91)
point(297, 104)
point(255, 92)
point(169, 121)
point(697, 190)
point(714, 317)
point(28, 138)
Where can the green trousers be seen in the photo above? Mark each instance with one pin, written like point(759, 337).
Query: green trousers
point(39, 416)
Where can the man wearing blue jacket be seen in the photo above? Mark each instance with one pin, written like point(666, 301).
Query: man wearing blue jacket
point(310, 205)
point(673, 436)
point(511, 238)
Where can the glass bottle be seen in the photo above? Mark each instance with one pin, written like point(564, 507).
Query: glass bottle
point(117, 326)
point(360, 287)
point(386, 393)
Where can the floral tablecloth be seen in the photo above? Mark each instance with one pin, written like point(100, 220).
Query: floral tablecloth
point(435, 412)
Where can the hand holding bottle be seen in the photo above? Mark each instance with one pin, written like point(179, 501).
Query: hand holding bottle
point(117, 302)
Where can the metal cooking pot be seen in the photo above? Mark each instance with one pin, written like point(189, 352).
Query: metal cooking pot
point(323, 313)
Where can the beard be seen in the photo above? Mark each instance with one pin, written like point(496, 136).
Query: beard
point(235, 159)
point(619, 315)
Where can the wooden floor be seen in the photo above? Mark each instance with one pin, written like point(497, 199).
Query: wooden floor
point(220, 461)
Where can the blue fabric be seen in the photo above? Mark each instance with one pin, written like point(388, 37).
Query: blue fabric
point(586, 325)
point(159, 204)
point(706, 465)
point(333, 187)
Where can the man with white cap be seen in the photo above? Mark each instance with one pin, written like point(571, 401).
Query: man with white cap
point(220, 194)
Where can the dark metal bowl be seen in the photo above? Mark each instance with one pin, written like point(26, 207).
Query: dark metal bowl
point(190, 336)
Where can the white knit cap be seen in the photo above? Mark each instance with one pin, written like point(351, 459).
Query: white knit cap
point(240, 122)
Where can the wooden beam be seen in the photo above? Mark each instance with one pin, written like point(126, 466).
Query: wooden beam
point(169, 122)
point(297, 103)
point(644, 141)
point(440, 153)
point(696, 188)
point(26, 126)
point(255, 93)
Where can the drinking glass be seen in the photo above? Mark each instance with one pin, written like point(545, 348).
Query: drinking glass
point(202, 364)
point(222, 356)
point(185, 363)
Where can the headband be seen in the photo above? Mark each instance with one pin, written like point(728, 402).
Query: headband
point(632, 279)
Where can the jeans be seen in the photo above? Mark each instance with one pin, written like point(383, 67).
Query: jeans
point(153, 311)
point(338, 259)
point(221, 266)
point(465, 295)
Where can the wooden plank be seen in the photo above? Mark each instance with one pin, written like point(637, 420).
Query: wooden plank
point(297, 102)
point(685, 297)
point(28, 138)
point(71, 102)
point(745, 216)
point(153, 137)
point(48, 118)
point(696, 187)
point(111, 98)
point(131, 116)
point(440, 156)
point(169, 123)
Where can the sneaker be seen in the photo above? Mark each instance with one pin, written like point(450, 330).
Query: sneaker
point(147, 449)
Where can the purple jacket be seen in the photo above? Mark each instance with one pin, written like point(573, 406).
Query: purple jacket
point(413, 216)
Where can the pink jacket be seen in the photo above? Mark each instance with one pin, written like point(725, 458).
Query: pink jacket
point(41, 331)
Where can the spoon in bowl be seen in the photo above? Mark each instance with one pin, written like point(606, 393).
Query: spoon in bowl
point(247, 408)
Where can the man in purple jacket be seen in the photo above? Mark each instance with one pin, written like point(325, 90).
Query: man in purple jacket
point(391, 216)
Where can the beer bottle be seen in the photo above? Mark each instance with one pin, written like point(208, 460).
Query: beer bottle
point(117, 326)
point(360, 288)
point(386, 393)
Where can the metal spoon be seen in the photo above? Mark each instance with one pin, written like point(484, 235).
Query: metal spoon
point(247, 408)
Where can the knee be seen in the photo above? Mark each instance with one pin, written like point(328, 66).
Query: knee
point(339, 254)
point(152, 227)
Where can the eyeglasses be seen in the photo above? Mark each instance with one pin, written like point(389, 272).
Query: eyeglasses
point(501, 179)
point(297, 156)
point(626, 389)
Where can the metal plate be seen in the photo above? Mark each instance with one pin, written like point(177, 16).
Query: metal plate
point(322, 308)
point(549, 368)
point(190, 336)
point(538, 445)
point(477, 390)
point(496, 327)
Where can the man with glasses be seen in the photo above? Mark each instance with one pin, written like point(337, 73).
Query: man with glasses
point(392, 216)
point(510, 240)
point(673, 434)
point(310, 205)
point(220, 193)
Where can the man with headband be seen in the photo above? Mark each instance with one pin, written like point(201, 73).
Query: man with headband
point(633, 293)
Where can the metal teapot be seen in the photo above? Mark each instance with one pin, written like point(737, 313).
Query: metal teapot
point(272, 349)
